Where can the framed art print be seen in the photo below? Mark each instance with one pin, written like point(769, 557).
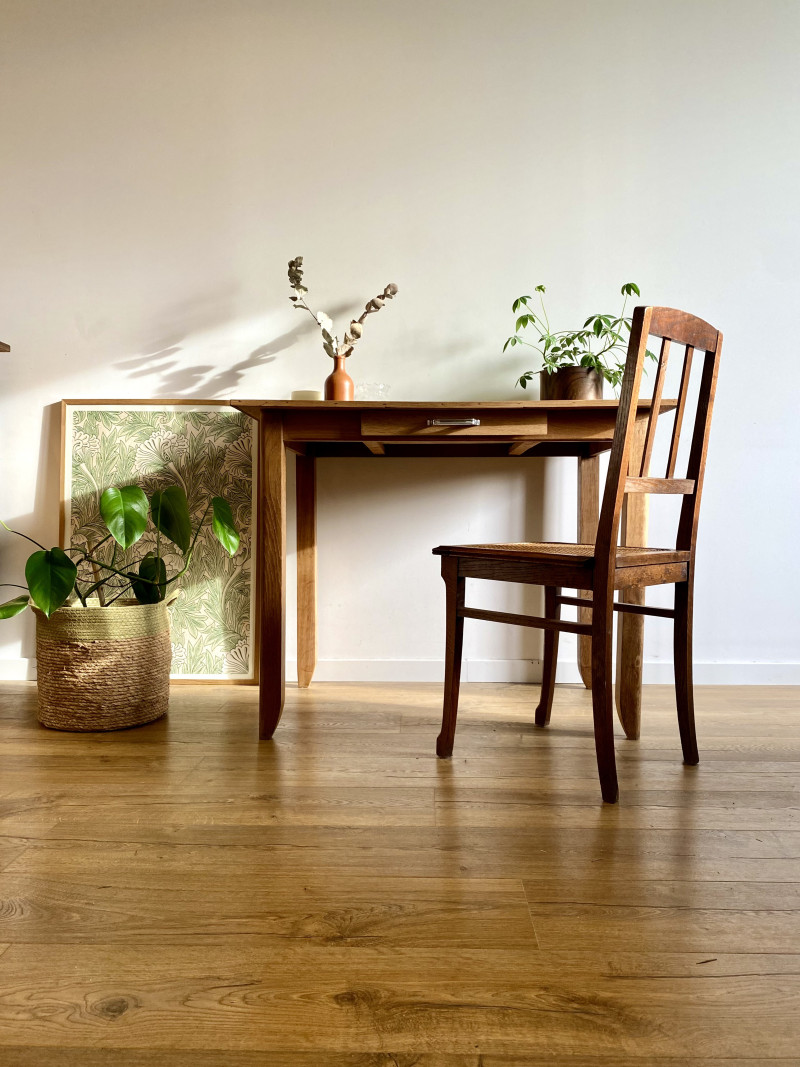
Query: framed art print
point(208, 448)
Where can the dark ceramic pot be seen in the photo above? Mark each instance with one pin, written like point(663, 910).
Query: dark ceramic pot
point(571, 383)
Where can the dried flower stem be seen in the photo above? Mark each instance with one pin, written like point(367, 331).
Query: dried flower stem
point(330, 341)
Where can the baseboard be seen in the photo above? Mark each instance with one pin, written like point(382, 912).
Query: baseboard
point(20, 669)
point(656, 672)
point(530, 671)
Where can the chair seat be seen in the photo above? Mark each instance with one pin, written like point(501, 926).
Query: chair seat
point(564, 552)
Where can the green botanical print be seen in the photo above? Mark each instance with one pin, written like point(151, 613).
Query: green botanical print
point(209, 453)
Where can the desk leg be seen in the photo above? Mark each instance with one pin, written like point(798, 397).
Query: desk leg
point(272, 571)
point(630, 628)
point(588, 514)
point(306, 493)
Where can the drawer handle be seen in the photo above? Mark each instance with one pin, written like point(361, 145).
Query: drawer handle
point(454, 422)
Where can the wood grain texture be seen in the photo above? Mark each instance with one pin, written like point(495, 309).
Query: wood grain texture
point(306, 497)
point(674, 486)
point(521, 423)
point(174, 896)
point(271, 571)
point(630, 628)
point(588, 514)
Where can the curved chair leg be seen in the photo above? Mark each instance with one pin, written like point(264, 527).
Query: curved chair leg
point(552, 610)
point(684, 689)
point(603, 698)
point(454, 587)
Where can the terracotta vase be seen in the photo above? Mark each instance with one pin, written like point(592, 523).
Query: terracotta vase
point(338, 384)
point(571, 383)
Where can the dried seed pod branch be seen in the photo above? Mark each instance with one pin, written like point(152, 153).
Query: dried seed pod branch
point(330, 342)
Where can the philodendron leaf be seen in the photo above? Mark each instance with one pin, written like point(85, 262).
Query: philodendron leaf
point(223, 525)
point(51, 578)
point(170, 514)
point(152, 569)
point(124, 512)
point(14, 607)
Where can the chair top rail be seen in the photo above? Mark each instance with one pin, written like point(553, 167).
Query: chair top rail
point(683, 328)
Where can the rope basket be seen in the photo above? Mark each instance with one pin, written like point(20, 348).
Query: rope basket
point(103, 668)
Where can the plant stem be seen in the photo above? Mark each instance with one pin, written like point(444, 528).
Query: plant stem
point(38, 545)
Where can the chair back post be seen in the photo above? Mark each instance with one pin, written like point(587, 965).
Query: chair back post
point(619, 459)
point(690, 510)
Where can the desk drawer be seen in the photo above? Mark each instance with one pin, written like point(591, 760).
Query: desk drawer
point(384, 424)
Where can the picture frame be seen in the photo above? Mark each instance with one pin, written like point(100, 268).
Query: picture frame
point(155, 443)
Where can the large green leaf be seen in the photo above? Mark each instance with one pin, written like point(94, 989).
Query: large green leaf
point(152, 569)
point(14, 607)
point(124, 512)
point(51, 578)
point(223, 525)
point(170, 513)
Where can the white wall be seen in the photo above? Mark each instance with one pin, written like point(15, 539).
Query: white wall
point(163, 159)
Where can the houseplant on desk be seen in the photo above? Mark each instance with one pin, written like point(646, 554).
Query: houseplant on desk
point(102, 629)
point(575, 362)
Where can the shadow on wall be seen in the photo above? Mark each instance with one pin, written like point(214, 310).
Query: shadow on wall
point(175, 378)
point(383, 516)
point(42, 524)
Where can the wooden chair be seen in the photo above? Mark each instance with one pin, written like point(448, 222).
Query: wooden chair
point(603, 567)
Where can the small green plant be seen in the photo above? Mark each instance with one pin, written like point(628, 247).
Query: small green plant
point(52, 575)
point(600, 345)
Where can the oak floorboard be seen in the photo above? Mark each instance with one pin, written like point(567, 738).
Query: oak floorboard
point(130, 905)
point(180, 894)
point(32, 1056)
point(358, 999)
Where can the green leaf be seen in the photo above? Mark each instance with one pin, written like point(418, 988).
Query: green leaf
point(523, 382)
point(51, 578)
point(170, 513)
point(124, 512)
point(152, 569)
point(540, 289)
point(223, 525)
point(14, 607)
point(522, 322)
point(629, 288)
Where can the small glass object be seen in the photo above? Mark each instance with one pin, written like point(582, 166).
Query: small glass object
point(373, 391)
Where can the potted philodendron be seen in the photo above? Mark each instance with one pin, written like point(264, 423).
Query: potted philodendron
point(575, 363)
point(103, 647)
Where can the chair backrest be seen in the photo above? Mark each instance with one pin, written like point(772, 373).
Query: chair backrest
point(625, 476)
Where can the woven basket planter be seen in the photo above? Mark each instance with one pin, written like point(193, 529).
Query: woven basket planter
point(103, 668)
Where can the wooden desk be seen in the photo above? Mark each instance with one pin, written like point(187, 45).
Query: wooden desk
point(514, 430)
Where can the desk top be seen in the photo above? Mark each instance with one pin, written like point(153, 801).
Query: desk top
point(253, 407)
point(439, 427)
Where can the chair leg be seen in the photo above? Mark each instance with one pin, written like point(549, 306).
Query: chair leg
point(603, 697)
point(684, 689)
point(454, 587)
point(552, 610)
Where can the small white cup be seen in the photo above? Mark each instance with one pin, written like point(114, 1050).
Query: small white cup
point(307, 394)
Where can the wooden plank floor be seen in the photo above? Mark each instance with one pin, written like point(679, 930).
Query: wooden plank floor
point(180, 894)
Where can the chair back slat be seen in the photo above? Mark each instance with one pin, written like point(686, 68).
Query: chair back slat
point(690, 510)
point(694, 334)
point(655, 408)
point(674, 486)
point(676, 426)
